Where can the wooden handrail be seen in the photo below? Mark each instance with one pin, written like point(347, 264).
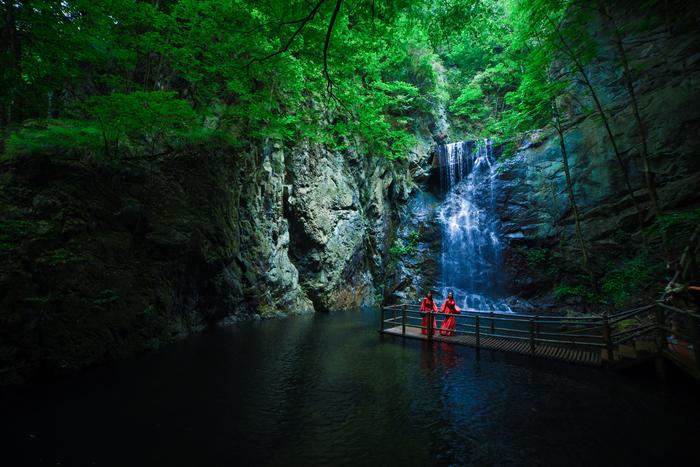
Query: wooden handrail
point(616, 338)
point(478, 333)
point(565, 342)
point(623, 315)
point(633, 330)
point(613, 318)
point(518, 319)
point(593, 339)
point(403, 319)
point(632, 335)
point(592, 323)
point(488, 312)
point(568, 337)
point(677, 333)
point(586, 333)
point(688, 313)
point(431, 322)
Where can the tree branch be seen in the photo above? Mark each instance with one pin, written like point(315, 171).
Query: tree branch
point(329, 33)
point(302, 22)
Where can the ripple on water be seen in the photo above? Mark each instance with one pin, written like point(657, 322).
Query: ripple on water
point(328, 390)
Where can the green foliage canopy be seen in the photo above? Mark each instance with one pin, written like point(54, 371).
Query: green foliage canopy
point(274, 70)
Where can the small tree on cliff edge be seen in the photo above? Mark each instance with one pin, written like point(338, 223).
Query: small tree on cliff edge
point(565, 30)
point(534, 105)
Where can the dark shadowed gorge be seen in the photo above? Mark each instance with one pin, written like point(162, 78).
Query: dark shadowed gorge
point(179, 170)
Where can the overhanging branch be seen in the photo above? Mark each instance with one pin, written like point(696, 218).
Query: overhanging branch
point(329, 33)
point(302, 22)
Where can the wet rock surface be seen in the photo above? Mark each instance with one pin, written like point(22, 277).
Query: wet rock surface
point(413, 273)
point(535, 210)
point(99, 262)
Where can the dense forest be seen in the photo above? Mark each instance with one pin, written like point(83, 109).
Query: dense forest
point(349, 232)
point(169, 164)
point(124, 79)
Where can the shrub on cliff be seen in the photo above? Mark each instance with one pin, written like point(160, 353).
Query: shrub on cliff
point(52, 137)
point(623, 284)
point(141, 119)
point(123, 125)
point(676, 225)
point(399, 248)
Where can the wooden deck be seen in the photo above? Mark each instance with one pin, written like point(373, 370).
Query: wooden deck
point(625, 339)
point(684, 362)
point(521, 346)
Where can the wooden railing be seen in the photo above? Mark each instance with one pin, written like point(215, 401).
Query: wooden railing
point(652, 323)
point(690, 258)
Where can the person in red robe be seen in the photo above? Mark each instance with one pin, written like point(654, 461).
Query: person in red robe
point(428, 305)
point(450, 308)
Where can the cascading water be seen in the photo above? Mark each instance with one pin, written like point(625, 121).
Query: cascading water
point(471, 248)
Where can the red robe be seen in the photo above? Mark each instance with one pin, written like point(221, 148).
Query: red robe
point(427, 305)
point(450, 323)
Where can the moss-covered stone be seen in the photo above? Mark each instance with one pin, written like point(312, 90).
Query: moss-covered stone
point(536, 211)
point(99, 262)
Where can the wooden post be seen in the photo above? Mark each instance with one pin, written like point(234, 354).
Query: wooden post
point(403, 320)
point(381, 319)
point(661, 343)
point(693, 331)
point(660, 365)
point(493, 326)
point(607, 339)
point(431, 329)
point(477, 331)
point(532, 336)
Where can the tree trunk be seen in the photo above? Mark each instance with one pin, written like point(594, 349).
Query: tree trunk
point(644, 151)
point(594, 95)
point(11, 60)
point(572, 199)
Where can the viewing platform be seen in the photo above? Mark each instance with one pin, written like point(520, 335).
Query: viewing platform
point(656, 331)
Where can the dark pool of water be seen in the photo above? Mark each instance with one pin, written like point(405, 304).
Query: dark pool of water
point(328, 390)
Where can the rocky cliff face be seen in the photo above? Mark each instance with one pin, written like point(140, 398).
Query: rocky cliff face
point(411, 273)
point(536, 211)
point(542, 253)
point(100, 261)
point(340, 208)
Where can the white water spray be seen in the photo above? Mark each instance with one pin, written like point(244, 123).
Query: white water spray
point(471, 247)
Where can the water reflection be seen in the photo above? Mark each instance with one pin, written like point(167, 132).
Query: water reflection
point(328, 390)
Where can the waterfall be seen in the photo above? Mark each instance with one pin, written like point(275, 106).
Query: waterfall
point(471, 246)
